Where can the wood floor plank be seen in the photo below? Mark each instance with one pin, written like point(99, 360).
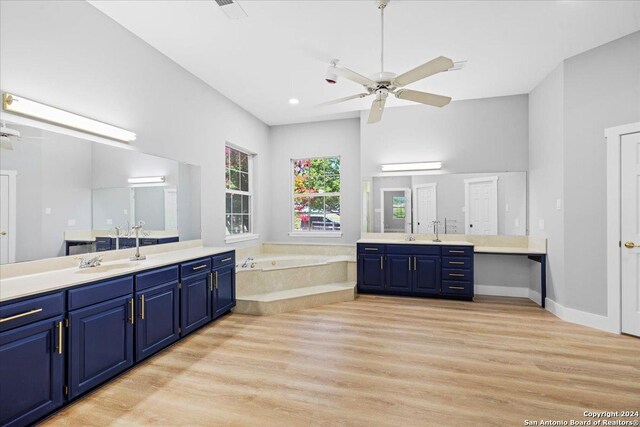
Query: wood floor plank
point(375, 361)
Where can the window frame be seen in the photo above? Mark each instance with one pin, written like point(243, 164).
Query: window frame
point(301, 233)
point(248, 235)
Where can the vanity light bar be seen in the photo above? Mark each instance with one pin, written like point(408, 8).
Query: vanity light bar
point(147, 180)
point(403, 167)
point(26, 107)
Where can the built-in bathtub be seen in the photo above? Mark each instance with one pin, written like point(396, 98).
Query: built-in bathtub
point(274, 283)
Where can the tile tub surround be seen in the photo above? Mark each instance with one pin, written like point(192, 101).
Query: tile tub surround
point(34, 277)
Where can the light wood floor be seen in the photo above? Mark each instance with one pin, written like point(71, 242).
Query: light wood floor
point(376, 361)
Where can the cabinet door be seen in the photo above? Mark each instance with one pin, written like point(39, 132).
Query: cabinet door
point(370, 272)
point(195, 297)
point(157, 323)
point(399, 273)
point(31, 372)
point(100, 343)
point(224, 292)
point(426, 275)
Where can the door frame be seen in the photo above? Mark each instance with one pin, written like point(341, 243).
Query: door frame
point(407, 206)
point(613, 139)
point(11, 231)
point(414, 217)
point(494, 191)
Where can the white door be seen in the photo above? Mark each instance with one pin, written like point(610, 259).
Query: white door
point(426, 208)
point(630, 231)
point(481, 206)
point(7, 217)
point(170, 209)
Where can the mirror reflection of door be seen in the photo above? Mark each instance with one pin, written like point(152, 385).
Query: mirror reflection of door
point(425, 196)
point(7, 216)
point(481, 205)
point(395, 210)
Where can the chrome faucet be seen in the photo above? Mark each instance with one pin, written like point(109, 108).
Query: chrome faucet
point(436, 229)
point(117, 232)
point(410, 238)
point(90, 262)
point(246, 262)
point(137, 230)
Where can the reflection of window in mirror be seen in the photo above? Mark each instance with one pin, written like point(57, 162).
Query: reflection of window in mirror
point(239, 188)
point(399, 207)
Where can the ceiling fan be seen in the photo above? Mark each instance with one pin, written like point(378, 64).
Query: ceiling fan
point(383, 83)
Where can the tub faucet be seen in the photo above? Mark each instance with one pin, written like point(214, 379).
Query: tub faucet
point(246, 262)
point(90, 262)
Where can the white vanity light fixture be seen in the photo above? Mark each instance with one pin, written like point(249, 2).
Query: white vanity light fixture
point(35, 110)
point(405, 167)
point(147, 180)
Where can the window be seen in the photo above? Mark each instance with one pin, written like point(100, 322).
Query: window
point(238, 197)
point(399, 206)
point(316, 195)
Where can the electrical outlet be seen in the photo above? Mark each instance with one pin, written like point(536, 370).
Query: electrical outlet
point(517, 222)
point(558, 204)
point(125, 212)
point(506, 207)
point(47, 211)
point(109, 221)
point(71, 222)
point(541, 224)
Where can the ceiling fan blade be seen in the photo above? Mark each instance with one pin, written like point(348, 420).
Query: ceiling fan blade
point(427, 69)
point(346, 98)
point(355, 77)
point(377, 108)
point(423, 97)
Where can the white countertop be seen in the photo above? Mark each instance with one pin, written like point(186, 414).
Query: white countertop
point(413, 242)
point(507, 250)
point(32, 284)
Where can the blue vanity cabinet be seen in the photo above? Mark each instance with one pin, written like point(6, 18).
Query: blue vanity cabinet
point(400, 276)
point(371, 267)
point(157, 310)
point(426, 275)
point(100, 333)
point(195, 300)
point(103, 244)
point(32, 359)
point(223, 271)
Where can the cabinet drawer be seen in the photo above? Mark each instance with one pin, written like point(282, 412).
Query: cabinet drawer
point(99, 292)
point(457, 288)
point(457, 263)
point(457, 251)
point(28, 311)
point(103, 244)
point(458, 275)
point(227, 258)
point(366, 248)
point(148, 242)
point(194, 267)
point(410, 249)
point(156, 277)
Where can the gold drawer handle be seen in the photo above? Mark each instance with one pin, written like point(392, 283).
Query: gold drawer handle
point(456, 287)
point(455, 275)
point(210, 281)
point(60, 337)
point(133, 310)
point(455, 252)
point(17, 316)
point(142, 306)
point(216, 280)
point(370, 249)
point(226, 260)
point(456, 262)
point(200, 267)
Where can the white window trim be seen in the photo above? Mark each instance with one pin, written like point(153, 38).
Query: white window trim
point(297, 233)
point(250, 235)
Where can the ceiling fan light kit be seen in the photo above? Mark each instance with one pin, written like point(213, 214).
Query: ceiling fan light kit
point(383, 83)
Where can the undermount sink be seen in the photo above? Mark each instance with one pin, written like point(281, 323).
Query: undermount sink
point(107, 268)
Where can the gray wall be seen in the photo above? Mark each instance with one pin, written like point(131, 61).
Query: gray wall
point(82, 61)
point(189, 220)
point(546, 177)
point(150, 207)
point(601, 90)
point(318, 139)
point(109, 206)
point(480, 135)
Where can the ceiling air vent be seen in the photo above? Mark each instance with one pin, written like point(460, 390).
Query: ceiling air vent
point(232, 9)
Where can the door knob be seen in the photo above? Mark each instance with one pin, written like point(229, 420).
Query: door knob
point(631, 245)
point(3, 233)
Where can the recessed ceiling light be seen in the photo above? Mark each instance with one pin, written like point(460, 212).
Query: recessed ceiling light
point(294, 101)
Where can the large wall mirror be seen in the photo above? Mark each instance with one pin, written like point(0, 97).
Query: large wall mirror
point(464, 203)
point(63, 195)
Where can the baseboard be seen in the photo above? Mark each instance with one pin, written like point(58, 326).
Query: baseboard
point(507, 291)
point(583, 318)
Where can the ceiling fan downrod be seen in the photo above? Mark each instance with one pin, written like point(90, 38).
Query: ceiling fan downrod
point(382, 4)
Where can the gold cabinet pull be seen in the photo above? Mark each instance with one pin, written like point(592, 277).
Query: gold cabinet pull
point(132, 310)
point(200, 267)
point(455, 275)
point(456, 287)
point(371, 249)
point(142, 306)
point(456, 262)
point(456, 252)
point(409, 263)
point(17, 316)
point(226, 260)
point(216, 280)
point(211, 281)
point(59, 337)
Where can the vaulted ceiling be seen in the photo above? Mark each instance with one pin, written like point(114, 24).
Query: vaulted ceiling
point(282, 49)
